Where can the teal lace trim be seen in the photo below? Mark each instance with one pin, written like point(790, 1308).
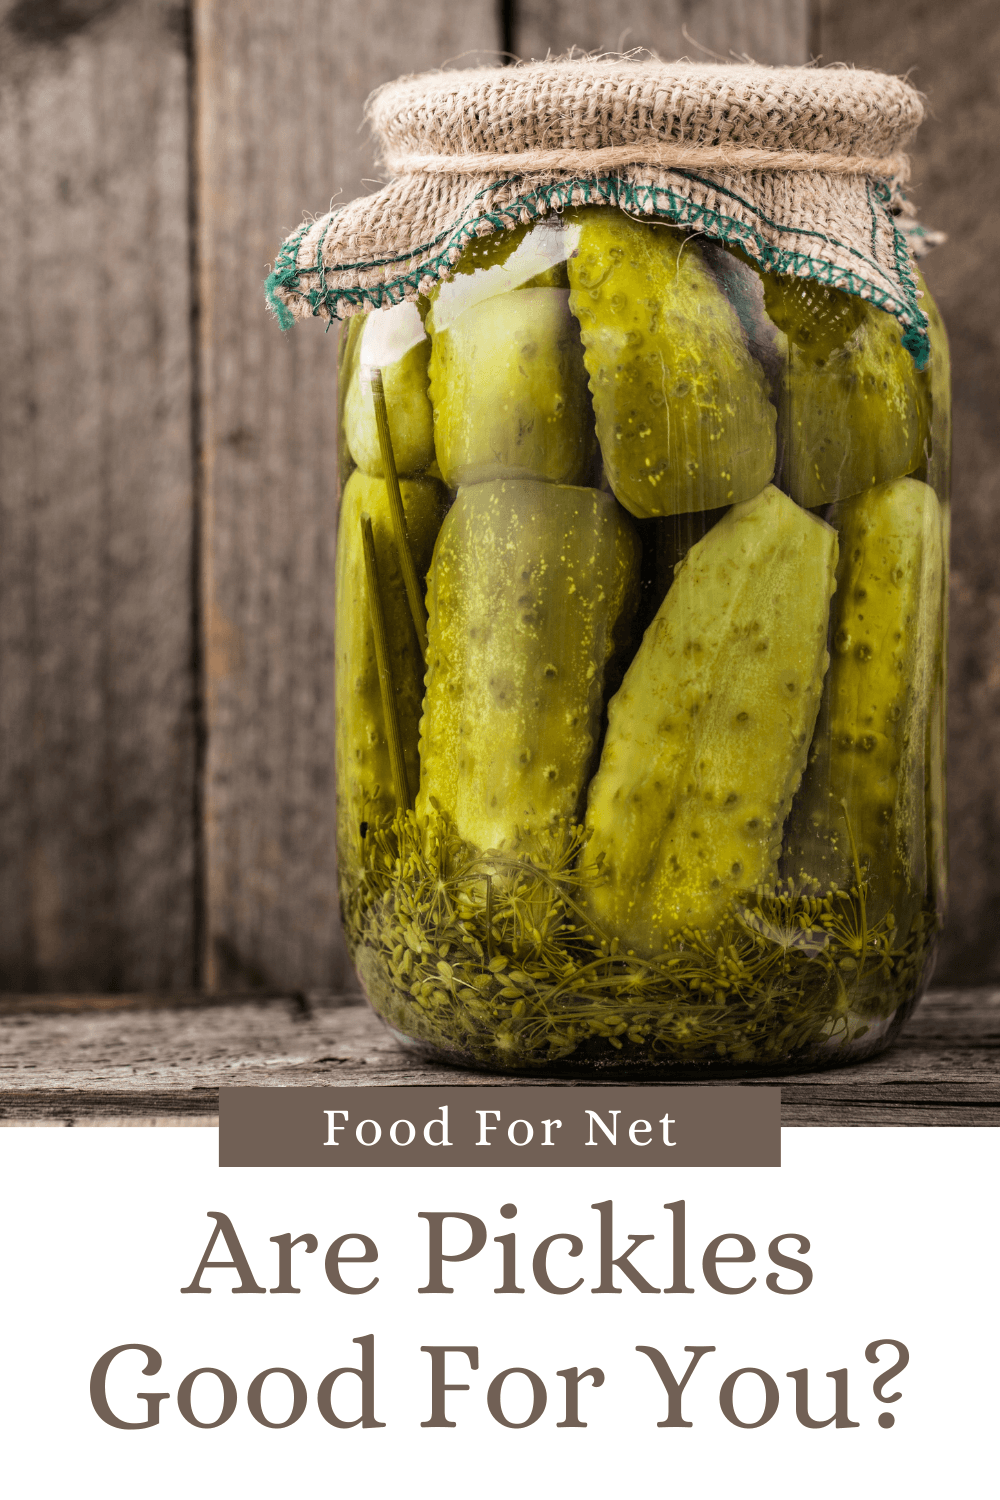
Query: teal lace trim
point(650, 202)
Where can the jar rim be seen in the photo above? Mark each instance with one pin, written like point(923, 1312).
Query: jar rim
point(828, 225)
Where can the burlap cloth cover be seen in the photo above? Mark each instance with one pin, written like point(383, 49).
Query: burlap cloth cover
point(801, 167)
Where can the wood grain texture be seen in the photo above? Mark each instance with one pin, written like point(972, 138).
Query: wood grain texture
point(280, 89)
point(98, 833)
point(149, 1061)
point(952, 53)
point(96, 728)
point(769, 31)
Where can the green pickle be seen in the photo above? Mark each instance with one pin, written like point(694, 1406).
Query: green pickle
point(675, 748)
point(853, 412)
point(708, 735)
point(935, 382)
point(405, 382)
point(861, 812)
point(365, 788)
point(528, 593)
point(937, 734)
point(683, 415)
point(936, 471)
point(509, 390)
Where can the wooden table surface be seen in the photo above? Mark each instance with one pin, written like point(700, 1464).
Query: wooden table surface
point(145, 1060)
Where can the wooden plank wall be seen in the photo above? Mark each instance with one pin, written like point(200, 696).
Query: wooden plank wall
point(280, 89)
point(770, 31)
point(97, 829)
point(166, 496)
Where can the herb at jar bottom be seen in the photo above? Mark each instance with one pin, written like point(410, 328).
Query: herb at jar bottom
point(491, 959)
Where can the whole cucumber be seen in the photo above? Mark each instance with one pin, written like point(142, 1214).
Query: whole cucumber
point(529, 589)
point(851, 410)
point(708, 736)
point(867, 772)
point(683, 416)
point(364, 774)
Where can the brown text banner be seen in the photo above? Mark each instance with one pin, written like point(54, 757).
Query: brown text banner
point(483, 1126)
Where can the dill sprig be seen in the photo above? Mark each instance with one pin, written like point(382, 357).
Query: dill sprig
point(492, 959)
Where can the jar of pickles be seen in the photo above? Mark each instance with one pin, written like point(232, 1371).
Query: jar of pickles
point(640, 633)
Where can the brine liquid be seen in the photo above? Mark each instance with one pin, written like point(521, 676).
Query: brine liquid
point(665, 790)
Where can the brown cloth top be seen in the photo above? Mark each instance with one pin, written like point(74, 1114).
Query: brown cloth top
point(799, 167)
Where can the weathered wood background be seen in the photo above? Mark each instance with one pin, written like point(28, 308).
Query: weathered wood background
point(166, 455)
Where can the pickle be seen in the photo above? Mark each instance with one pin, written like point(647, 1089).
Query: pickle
point(509, 390)
point(708, 736)
point(404, 378)
point(935, 382)
point(936, 471)
point(852, 412)
point(937, 736)
point(865, 779)
point(347, 356)
point(683, 417)
point(364, 776)
point(529, 590)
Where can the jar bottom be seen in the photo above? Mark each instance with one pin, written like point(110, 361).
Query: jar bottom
point(597, 1059)
point(491, 962)
point(831, 1041)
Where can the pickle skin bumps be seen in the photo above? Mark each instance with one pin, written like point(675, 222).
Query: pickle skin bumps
point(852, 410)
point(683, 416)
point(405, 382)
point(530, 587)
point(364, 773)
point(509, 390)
point(708, 736)
point(869, 750)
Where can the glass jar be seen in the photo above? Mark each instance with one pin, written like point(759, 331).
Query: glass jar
point(655, 786)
